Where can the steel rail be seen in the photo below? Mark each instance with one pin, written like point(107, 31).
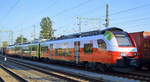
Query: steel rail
point(20, 79)
point(65, 75)
point(1, 80)
point(128, 75)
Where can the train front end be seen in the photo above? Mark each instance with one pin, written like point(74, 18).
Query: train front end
point(124, 50)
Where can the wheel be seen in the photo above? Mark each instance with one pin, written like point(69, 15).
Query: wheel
point(101, 67)
point(109, 68)
point(87, 66)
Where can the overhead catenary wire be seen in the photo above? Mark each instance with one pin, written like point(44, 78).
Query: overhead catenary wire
point(127, 10)
point(123, 11)
point(134, 24)
point(42, 11)
point(142, 25)
point(9, 11)
point(68, 9)
point(139, 26)
point(72, 8)
point(135, 20)
point(130, 9)
point(89, 11)
point(48, 7)
point(115, 13)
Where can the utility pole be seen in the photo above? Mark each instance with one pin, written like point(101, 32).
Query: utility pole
point(34, 32)
point(10, 35)
point(12, 38)
point(21, 35)
point(79, 23)
point(0, 40)
point(107, 16)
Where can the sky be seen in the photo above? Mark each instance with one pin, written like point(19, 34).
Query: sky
point(22, 16)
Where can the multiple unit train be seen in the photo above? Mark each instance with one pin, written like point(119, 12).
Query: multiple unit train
point(100, 49)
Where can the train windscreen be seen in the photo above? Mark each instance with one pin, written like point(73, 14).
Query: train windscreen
point(123, 39)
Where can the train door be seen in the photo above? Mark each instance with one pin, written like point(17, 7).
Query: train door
point(39, 51)
point(77, 51)
point(51, 50)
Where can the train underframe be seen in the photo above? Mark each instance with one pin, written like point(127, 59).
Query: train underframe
point(144, 64)
point(123, 65)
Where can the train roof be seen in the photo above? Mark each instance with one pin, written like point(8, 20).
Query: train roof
point(24, 44)
point(77, 35)
point(89, 33)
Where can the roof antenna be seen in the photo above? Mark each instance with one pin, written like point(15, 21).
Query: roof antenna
point(107, 16)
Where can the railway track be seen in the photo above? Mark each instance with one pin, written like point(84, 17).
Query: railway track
point(140, 76)
point(31, 75)
point(14, 75)
point(1, 80)
point(133, 75)
point(63, 75)
point(130, 75)
point(136, 75)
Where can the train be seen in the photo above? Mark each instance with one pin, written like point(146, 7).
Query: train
point(142, 40)
point(99, 49)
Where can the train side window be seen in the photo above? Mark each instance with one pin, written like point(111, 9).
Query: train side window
point(101, 44)
point(67, 52)
point(25, 50)
point(56, 52)
point(44, 49)
point(88, 48)
point(59, 52)
point(33, 49)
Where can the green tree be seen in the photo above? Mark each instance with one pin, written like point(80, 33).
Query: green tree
point(47, 30)
point(5, 44)
point(21, 39)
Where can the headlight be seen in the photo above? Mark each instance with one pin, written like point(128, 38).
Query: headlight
point(123, 54)
point(135, 54)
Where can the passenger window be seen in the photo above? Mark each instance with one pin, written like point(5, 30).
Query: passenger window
point(63, 52)
point(67, 52)
point(101, 44)
point(44, 49)
point(88, 48)
point(58, 52)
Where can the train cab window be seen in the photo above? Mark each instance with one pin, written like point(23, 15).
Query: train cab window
point(123, 39)
point(88, 48)
point(101, 44)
